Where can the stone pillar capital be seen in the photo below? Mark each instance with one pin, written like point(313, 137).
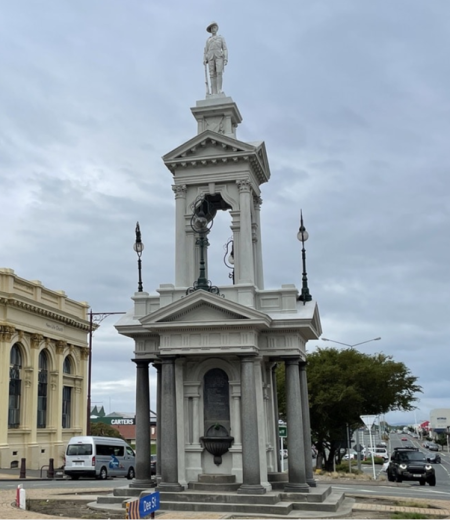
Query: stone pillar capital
point(141, 362)
point(180, 191)
point(6, 332)
point(244, 185)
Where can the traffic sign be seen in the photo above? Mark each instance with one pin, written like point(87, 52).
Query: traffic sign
point(368, 420)
point(282, 431)
point(144, 506)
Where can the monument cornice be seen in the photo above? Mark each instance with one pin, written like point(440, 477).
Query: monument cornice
point(227, 150)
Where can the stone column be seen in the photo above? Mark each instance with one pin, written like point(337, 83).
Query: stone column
point(306, 425)
point(168, 419)
point(6, 333)
point(275, 408)
point(296, 458)
point(56, 411)
point(143, 476)
point(245, 259)
point(249, 420)
point(181, 275)
point(158, 421)
point(259, 275)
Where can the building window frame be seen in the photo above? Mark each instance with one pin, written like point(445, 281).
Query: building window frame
point(42, 390)
point(15, 387)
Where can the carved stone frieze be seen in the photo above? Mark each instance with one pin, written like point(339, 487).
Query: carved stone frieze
point(6, 332)
point(60, 346)
point(36, 340)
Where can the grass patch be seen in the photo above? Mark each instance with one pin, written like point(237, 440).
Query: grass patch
point(401, 503)
point(408, 515)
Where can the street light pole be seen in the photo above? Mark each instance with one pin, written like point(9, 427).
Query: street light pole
point(351, 346)
point(358, 453)
point(96, 317)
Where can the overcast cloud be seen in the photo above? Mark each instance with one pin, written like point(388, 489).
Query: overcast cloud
point(350, 96)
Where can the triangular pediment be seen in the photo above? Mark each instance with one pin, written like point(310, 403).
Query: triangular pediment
point(201, 309)
point(211, 147)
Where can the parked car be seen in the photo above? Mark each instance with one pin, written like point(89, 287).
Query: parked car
point(410, 464)
point(378, 452)
point(434, 458)
point(152, 464)
point(352, 455)
point(433, 446)
point(99, 457)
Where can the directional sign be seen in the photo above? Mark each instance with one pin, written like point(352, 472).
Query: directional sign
point(144, 506)
point(148, 504)
point(282, 431)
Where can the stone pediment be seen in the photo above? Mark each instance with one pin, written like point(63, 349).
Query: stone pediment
point(209, 148)
point(202, 309)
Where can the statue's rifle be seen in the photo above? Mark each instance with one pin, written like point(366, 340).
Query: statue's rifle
point(206, 80)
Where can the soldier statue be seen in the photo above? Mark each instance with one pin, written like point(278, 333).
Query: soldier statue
point(216, 56)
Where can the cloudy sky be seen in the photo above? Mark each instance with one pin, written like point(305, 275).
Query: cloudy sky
point(352, 98)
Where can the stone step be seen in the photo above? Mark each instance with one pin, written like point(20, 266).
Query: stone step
point(213, 488)
point(219, 498)
point(331, 504)
point(282, 508)
point(316, 494)
point(111, 499)
point(216, 478)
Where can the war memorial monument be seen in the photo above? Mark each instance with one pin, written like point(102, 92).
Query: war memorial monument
point(215, 349)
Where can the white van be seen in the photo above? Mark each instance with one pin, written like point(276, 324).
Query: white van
point(99, 457)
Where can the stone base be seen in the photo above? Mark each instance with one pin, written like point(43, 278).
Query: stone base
point(169, 486)
point(206, 478)
point(296, 488)
point(252, 489)
point(311, 482)
point(142, 483)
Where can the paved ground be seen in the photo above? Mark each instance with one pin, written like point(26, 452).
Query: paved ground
point(362, 506)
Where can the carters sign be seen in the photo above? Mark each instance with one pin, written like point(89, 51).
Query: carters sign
point(114, 421)
point(122, 421)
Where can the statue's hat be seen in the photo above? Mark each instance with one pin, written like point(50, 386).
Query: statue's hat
point(210, 25)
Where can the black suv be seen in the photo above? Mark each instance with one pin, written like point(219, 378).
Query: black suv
point(410, 464)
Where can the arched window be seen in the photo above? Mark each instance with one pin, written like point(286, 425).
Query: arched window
point(67, 366)
point(67, 395)
point(42, 390)
point(15, 387)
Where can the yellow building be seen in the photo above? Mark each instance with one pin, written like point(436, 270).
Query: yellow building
point(43, 371)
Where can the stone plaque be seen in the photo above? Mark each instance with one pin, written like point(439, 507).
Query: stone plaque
point(216, 399)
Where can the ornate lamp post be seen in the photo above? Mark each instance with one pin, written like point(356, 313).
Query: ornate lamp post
point(303, 236)
point(202, 222)
point(139, 247)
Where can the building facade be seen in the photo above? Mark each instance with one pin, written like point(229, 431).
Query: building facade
point(43, 371)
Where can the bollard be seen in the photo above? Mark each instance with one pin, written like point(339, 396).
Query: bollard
point(19, 487)
point(22, 499)
point(23, 468)
point(51, 469)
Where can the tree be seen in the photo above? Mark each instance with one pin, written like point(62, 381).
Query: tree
point(345, 384)
point(104, 430)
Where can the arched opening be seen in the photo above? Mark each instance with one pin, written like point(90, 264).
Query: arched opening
point(216, 399)
point(42, 390)
point(15, 387)
point(67, 393)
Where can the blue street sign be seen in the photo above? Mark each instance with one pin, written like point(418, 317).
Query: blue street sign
point(148, 504)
